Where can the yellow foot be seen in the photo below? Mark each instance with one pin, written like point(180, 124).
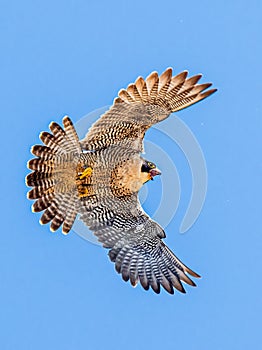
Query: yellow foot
point(86, 173)
point(84, 192)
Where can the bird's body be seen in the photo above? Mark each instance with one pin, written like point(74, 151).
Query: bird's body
point(100, 176)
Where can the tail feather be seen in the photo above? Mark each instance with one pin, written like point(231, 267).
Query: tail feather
point(71, 134)
point(42, 151)
point(53, 176)
point(41, 180)
point(50, 141)
point(43, 202)
point(49, 213)
point(41, 165)
point(69, 219)
point(37, 192)
point(57, 131)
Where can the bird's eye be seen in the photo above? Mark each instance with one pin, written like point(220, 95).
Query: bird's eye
point(151, 165)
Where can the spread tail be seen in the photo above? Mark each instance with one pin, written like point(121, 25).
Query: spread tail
point(53, 176)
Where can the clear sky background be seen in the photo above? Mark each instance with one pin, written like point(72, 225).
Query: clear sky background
point(71, 57)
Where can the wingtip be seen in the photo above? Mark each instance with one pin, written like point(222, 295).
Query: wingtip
point(171, 291)
point(180, 287)
point(194, 274)
point(209, 92)
point(139, 79)
point(134, 283)
point(65, 232)
point(181, 77)
point(125, 277)
point(168, 71)
point(156, 289)
point(152, 76)
point(193, 284)
point(191, 81)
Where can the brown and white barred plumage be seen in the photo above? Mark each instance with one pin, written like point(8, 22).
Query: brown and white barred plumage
point(53, 176)
point(107, 200)
point(143, 104)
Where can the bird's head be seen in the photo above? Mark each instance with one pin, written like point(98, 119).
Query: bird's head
point(149, 171)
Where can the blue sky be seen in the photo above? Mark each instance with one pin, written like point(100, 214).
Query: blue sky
point(71, 57)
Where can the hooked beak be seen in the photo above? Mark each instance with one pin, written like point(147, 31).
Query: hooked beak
point(154, 172)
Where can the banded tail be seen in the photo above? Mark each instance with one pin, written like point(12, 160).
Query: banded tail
point(53, 176)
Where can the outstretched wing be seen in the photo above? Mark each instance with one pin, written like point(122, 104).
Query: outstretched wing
point(143, 104)
point(118, 221)
point(135, 243)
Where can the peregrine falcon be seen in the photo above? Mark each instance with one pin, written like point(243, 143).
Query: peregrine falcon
point(100, 176)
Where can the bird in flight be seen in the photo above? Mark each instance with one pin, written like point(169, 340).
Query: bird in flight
point(100, 176)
